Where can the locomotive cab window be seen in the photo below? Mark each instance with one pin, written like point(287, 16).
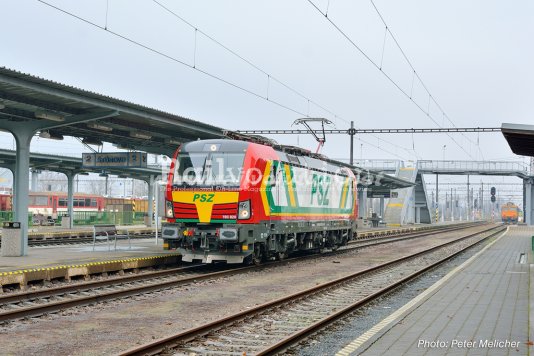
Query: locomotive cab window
point(293, 159)
point(209, 168)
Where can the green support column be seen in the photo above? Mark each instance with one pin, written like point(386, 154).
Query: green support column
point(21, 191)
point(150, 182)
point(70, 198)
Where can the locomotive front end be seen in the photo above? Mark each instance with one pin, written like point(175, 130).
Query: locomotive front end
point(209, 214)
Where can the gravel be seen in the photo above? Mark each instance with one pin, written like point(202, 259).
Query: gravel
point(332, 339)
point(115, 326)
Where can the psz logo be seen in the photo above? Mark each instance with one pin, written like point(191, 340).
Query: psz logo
point(203, 198)
point(319, 189)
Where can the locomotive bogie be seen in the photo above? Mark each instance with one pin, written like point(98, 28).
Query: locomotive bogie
point(209, 244)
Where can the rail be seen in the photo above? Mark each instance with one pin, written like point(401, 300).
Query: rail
point(20, 305)
point(198, 334)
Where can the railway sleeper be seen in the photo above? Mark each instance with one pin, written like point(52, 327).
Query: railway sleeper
point(195, 350)
point(232, 345)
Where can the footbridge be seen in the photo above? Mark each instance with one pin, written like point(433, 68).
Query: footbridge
point(412, 205)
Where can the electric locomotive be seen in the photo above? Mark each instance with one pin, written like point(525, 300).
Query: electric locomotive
point(509, 213)
point(237, 201)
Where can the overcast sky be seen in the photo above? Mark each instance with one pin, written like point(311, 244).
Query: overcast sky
point(475, 57)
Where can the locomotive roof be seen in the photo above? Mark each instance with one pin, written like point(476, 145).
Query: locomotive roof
point(292, 154)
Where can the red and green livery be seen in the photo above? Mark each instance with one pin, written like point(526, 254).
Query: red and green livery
point(238, 201)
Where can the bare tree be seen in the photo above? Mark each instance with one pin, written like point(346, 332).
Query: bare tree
point(140, 188)
point(95, 186)
point(52, 182)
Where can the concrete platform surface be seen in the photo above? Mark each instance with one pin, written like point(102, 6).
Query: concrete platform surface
point(66, 262)
point(41, 257)
point(480, 308)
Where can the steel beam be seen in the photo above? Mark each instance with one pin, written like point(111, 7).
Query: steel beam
point(353, 131)
point(75, 119)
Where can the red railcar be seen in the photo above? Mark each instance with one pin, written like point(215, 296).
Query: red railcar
point(53, 203)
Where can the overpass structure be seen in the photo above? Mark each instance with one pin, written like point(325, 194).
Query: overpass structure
point(452, 167)
point(413, 205)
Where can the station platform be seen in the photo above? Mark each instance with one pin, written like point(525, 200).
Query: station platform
point(482, 307)
point(80, 261)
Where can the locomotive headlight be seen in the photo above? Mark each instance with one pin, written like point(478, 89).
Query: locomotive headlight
point(169, 211)
point(244, 210)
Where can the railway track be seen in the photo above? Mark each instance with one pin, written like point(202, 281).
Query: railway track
point(372, 241)
point(276, 326)
point(74, 240)
point(61, 241)
point(34, 303)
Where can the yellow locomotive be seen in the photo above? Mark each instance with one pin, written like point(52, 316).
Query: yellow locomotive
point(509, 213)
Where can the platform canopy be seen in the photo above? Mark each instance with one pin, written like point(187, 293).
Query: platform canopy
point(379, 183)
point(60, 110)
point(520, 138)
point(66, 164)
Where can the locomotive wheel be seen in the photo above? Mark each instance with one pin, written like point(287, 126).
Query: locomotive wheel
point(280, 256)
point(257, 256)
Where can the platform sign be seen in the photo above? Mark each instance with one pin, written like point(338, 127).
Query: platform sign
point(114, 159)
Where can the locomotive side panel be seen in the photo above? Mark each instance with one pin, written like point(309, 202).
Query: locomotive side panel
point(300, 192)
point(277, 207)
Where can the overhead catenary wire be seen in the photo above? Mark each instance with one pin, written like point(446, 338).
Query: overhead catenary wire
point(211, 75)
point(250, 63)
point(378, 67)
point(269, 75)
point(388, 30)
point(107, 11)
point(174, 59)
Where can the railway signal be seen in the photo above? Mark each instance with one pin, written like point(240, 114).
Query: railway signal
point(492, 192)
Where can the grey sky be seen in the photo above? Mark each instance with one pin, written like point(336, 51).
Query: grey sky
point(474, 56)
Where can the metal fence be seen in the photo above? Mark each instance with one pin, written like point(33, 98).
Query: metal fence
point(106, 217)
point(90, 218)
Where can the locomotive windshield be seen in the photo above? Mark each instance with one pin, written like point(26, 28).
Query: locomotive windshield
point(206, 169)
